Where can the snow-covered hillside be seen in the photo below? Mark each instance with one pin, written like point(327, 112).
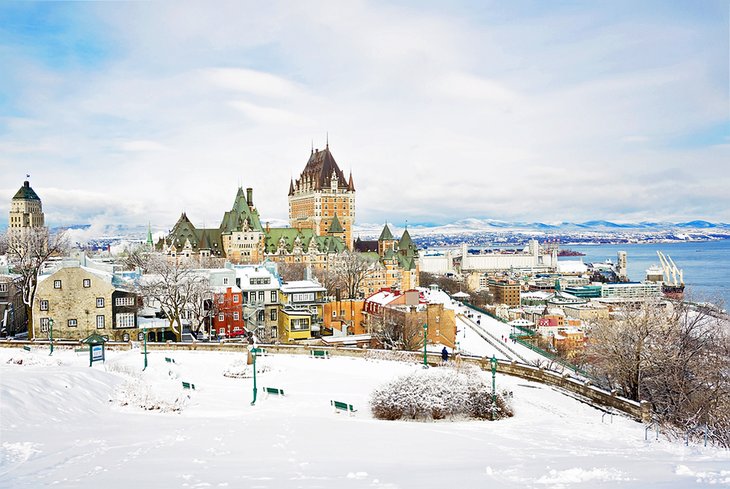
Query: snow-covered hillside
point(64, 424)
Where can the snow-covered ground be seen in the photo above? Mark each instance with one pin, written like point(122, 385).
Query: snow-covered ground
point(64, 424)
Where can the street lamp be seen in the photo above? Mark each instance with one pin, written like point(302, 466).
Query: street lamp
point(50, 332)
point(144, 334)
point(254, 351)
point(493, 361)
point(425, 337)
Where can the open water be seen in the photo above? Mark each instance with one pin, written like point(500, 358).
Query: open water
point(706, 265)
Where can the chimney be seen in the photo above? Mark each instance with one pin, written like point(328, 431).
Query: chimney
point(249, 196)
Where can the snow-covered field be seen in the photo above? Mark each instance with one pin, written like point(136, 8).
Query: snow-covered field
point(64, 424)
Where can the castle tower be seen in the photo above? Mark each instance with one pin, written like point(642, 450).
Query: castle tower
point(320, 194)
point(26, 210)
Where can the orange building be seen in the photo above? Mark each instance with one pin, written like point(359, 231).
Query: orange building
point(345, 315)
point(321, 199)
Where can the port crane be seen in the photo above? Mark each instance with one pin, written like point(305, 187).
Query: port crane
point(672, 275)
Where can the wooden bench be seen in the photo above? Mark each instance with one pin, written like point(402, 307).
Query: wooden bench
point(342, 406)
point(169, 360)
point(320, 354)
point(273, 391)
point(188, 385)
point(26, 348)
point(82, 350)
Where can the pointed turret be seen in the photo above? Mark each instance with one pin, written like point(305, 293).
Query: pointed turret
point(291, 187)
point(149, 235)
point(335, 227)
point(351, 184)
point(386, 235)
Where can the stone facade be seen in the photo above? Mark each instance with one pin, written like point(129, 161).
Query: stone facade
point(13, 315)
point(82, 301)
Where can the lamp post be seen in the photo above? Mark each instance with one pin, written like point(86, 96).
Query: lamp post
point(254, 351)
point(144, 335)
point(493, 361)
point(50, 332)
point(425, 338)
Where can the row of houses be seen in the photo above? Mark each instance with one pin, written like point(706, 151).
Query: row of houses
point(79, 297)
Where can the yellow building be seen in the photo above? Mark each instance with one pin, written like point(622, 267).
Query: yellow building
point(301, 305)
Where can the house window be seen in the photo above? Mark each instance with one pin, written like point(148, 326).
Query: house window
point(140, 336)
point(273, 296)
point(99, 302)
point(44, 325)
point(334, 313)
point(262, 296)
point(99, 322)
point(221, 317)
point(44, 305)
point(235, 298)
point(299, 324)
point(72, 323)
point(273, 314)
point(225, 279)
point(220, 299)
point(125, 337)
point(222, 331)
point(3, 287)
point(244, 297)
point(56, 284)
point(273, 332)
point(125, 320)
point(87, 283)
point(261, 316)
point(235, 316)
point(124, 301)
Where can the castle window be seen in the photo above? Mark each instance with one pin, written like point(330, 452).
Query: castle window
point(99, 322)
point(99, 302)
point(44, 305)
point(87, 283)
point(72, 323)
point(56, 284)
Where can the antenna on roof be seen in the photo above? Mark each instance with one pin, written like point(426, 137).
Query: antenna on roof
point(406, 225)
point(312, 146)
point(327, 139)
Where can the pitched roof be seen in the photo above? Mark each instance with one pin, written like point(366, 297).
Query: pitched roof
point(26, 192)
point(366, 246)
point(319, 170)
point(406, 243)
point(386, 234)
point(336, 227)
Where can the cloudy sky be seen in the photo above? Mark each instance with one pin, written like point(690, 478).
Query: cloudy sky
point(125, 113)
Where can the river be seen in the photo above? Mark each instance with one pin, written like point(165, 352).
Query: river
point(706, 264)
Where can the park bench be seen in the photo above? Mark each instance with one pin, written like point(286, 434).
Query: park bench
point(188, 385)
point(273, 391)
point(343, 406)
point(26, 348)
point(320, 354)
point(169, 360)
point(84, 349)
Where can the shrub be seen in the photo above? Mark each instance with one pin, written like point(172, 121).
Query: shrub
point(438, 394)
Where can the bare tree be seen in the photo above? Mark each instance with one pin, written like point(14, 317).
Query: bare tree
point(291, 271)
point(174, 285)
point(201, 306)
point(28, 250)
point(398, 330)
point(674, 355)
point(352, 269)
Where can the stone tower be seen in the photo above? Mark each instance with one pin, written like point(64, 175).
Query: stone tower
point(26, 210)
point(320, 194)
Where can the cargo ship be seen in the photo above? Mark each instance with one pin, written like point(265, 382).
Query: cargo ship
point(671, 277)
point(567, 252)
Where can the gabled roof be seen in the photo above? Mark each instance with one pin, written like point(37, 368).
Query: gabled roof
point(26, 192)
point(239, 214)
point(336, 227)
point(365, 246)
point(319, 170)
point(386, 235)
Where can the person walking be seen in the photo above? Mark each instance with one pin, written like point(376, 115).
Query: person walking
point(445, 355)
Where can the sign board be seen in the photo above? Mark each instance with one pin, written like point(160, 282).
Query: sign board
point(96, 353)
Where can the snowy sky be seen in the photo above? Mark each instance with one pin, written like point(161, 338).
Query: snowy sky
point(125, 113)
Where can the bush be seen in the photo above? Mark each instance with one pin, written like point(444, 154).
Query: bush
point(438, 393)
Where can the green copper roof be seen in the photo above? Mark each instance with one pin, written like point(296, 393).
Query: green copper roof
point(386, 234)
point(406, 243)
point(336, 227)
point(26, 192)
